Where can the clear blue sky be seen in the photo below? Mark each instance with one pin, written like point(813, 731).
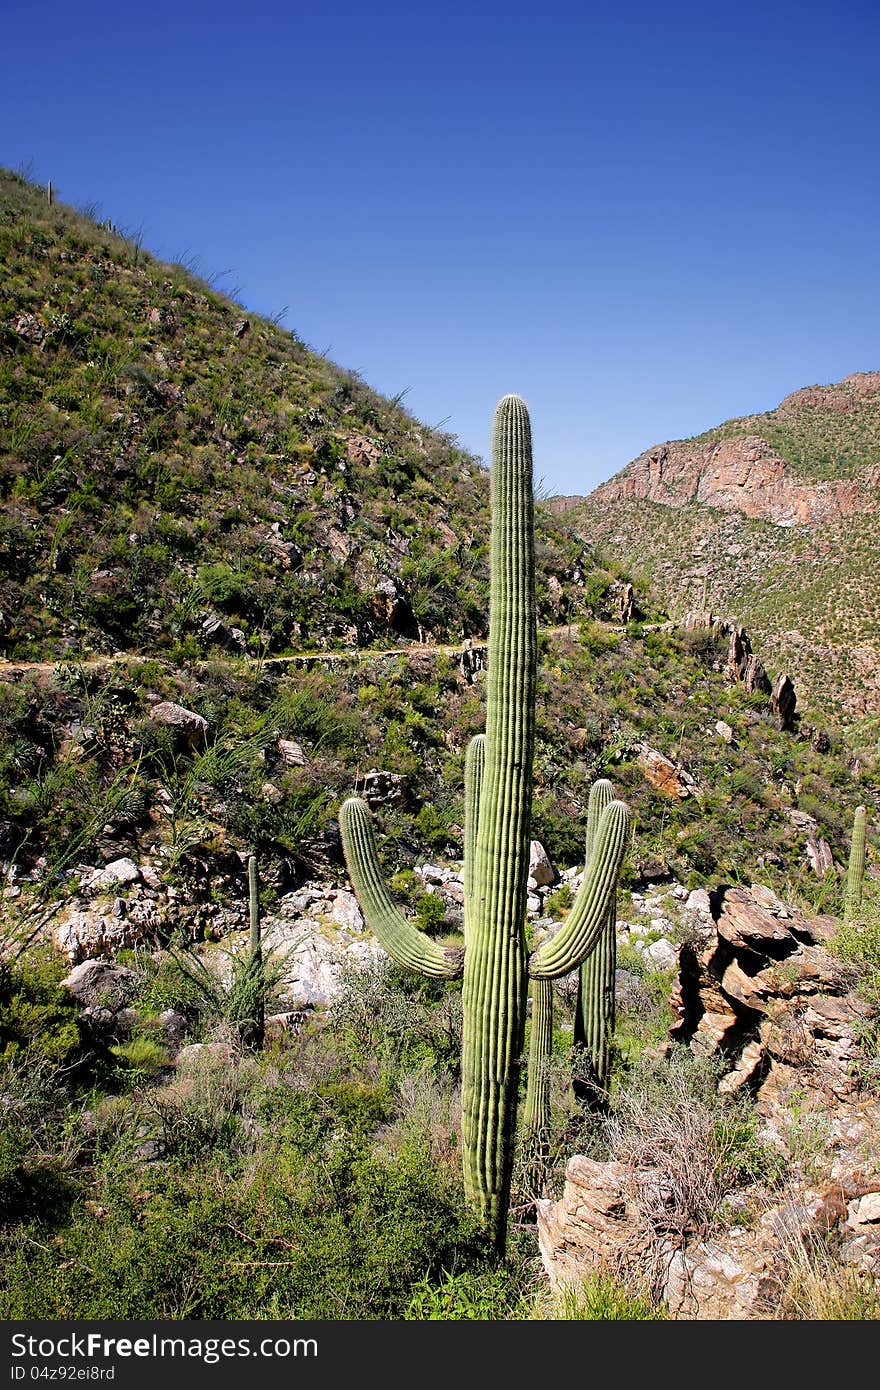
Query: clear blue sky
point(645, 218)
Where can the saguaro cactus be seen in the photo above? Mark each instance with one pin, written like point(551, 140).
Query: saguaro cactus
point(256, 952)
point(856, 870)
point(498, 803)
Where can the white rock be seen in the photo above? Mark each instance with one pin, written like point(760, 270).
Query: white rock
point(346, 911)
point(117, 874)
point(698, 903)
point(864, 1211)
point(292, 754)
point(662, 954)
point(541, 871)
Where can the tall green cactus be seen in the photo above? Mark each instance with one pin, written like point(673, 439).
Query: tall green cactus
point(257, 964)
point(594, 1011)
point(498, 803)
point(856, 870)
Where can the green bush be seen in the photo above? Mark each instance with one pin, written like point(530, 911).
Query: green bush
point(37, 1015)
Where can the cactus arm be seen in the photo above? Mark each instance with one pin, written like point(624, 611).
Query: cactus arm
point(474, 765)
point(601, 795)
point(254, 902)
point(856, 870)
point(594, 1010)
point(536, 1111)
point(405, 944)
point(495, 984)
point(581, 929)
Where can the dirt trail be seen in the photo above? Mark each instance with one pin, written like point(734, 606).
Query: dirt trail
point(12, 670)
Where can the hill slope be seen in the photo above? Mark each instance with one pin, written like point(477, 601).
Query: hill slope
point(773, 518)
point(187, 484)
point(179, 477)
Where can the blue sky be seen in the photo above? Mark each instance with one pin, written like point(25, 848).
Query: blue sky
point(645, 219)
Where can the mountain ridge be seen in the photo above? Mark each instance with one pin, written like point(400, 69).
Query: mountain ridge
point(778, 527)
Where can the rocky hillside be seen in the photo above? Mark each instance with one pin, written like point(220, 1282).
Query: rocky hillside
point(765, 1010)
point(772, 518)
point(180, 477)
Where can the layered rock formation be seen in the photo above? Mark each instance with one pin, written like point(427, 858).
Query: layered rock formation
point(746, 474)
point(757, 987)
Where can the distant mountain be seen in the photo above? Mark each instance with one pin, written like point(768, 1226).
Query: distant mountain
point(773, 518)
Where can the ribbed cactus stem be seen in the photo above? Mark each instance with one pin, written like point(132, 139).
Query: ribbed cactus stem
point(536, 1111)
point(256, 951)
point(495, 981)
point(254, 901)
point(405, 944)
point(474, 766)
point(856, 871)
point(582, 927)
point(594, 1012)
point(595, 1008)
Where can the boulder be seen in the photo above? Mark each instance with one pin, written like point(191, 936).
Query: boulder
point(99, 984)
point(541, 871)
point(292, 754)
point(783, 701)
point(381, 788)
point(666, 776)
point(189, 724)
point(114, 875)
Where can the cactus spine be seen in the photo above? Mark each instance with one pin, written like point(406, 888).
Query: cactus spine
point(256, 952)
point(856, 870)
point(498, 803)
point(594, 1011)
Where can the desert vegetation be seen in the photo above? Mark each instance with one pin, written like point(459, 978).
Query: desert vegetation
point(202, 718)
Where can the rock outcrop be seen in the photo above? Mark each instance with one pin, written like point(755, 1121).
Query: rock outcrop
point(744, 473)
point(757, 987)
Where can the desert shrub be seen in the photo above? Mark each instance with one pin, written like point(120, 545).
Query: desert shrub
point(38, 1016)
point(398, 1018)
point(327, 1230)
point(696, 1145)
point(39, 1141)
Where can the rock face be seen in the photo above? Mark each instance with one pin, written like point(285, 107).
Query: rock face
point(746, 474)
point(669, 777)
point(100, 984)
point(758, 987)
point(783, 701)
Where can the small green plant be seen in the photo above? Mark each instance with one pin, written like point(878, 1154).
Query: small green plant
point(598, 1299)
point(471, 1295)
point(239, 993)
point(141, 1057)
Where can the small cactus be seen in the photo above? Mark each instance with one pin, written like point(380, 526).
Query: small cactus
point(856, 871)
point(259, 1032)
